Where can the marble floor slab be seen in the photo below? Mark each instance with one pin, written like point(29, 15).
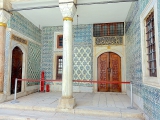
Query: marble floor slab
point(89, 106)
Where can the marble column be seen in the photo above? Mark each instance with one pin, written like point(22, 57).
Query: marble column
point(68, 10)
point(4, 16)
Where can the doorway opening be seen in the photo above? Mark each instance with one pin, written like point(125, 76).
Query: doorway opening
point(109, 69)
point(17, 58)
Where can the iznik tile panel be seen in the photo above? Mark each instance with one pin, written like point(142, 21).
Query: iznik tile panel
point(83, 54)
point(34, 61)
point(24, 26)
point(150, 95)
point(82, 51)
point(47, 50)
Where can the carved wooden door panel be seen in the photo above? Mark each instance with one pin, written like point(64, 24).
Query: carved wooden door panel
point(16, 72)
point(109, 69)
point(103, 74)
point(115, 65)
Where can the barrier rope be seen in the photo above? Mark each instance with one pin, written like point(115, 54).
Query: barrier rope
point(59, 80)
point(85, 81)
point(33, 80)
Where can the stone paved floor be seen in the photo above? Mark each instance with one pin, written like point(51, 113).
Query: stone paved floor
point(90, 106)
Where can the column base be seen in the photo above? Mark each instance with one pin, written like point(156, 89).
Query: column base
point(66, 103)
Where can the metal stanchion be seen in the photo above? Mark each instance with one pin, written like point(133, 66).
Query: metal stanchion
point(15, 92)
point(131, 107)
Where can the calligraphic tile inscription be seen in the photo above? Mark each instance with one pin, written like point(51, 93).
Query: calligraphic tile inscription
point(109, 40)
point(19, 39)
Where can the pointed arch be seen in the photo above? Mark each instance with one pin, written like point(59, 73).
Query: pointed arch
point(24, 50)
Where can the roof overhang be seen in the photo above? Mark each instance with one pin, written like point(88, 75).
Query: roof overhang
point(113, 11)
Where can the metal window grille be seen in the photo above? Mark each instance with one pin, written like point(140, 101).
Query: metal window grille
point(151, 45)
point(59, 67)
point(108, 29)
point(59, 41)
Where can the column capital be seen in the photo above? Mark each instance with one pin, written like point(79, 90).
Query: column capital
point(5, 4)
point(4, 17)
point(68, 9)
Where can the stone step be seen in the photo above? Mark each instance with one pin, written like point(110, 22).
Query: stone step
point(13, 114)
point(105, 112)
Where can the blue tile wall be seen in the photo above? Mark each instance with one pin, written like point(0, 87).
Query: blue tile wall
point(47, 50)
point(150, 95)
point(25, 27)
point(131, 14)
point(82, 51)
point(34, 61)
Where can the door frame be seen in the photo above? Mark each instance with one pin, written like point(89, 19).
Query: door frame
point(24, 65)
point(20, 58)
point(95, 68)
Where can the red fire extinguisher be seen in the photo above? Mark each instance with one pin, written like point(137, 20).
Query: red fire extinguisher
point(47, 88)
point(42, 82)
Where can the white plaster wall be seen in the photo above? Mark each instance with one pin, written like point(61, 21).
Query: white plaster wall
point(118, 49)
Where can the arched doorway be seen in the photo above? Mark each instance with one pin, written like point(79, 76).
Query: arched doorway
point(17, 58)
point(109, 69)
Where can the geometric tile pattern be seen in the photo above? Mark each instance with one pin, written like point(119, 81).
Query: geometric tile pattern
point(83, 54)
point(34, 61)
point(150, 95)
point(82, 34)
point(47, 50)
point(131, 14)
point(81, 61)
point(151, 99)
point(24, 26)
point(82, 51)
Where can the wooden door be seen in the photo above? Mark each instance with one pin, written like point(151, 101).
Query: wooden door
point(115, 75)
point(16, 72)
point(109, 69)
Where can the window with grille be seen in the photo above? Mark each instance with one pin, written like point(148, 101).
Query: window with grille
point(59, 67)
point(108, 29)
point(151, 45)
point(60, 41)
